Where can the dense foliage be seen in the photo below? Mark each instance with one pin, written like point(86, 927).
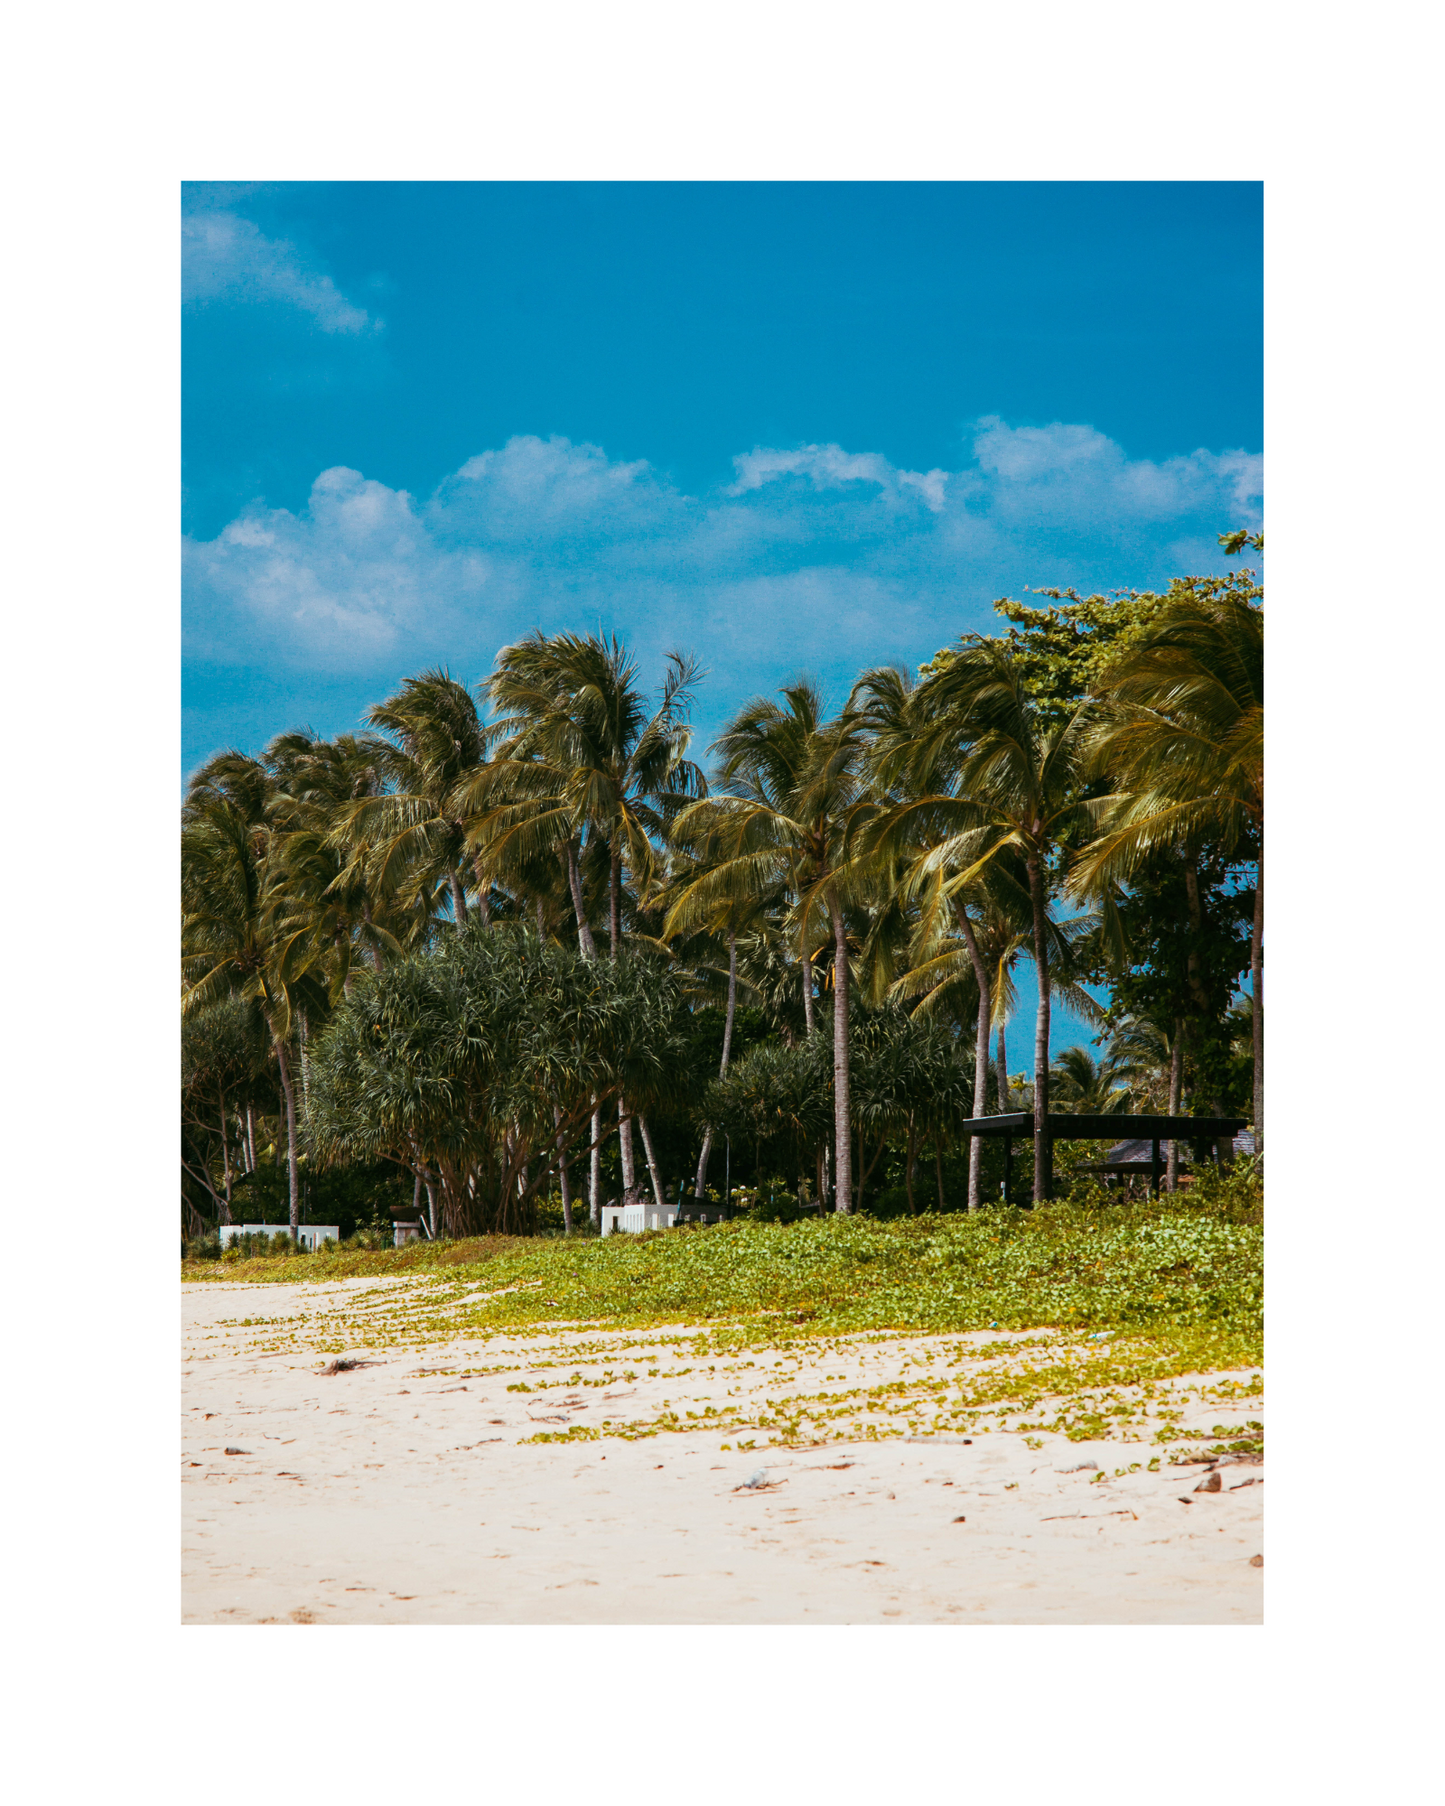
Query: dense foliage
point(397, 987)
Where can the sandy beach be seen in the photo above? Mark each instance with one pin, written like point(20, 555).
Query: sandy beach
point(407, 1490)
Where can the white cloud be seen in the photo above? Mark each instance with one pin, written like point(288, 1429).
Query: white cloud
point(226, 257)
point(818, 557)
point(1076, 469)
point(535, 490)
point(830, 467)
point(344, 583)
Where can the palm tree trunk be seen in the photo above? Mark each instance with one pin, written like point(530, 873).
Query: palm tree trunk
point(614, 912)
point(1041, 1032)
point(912, 1162)
point(563, 1176)
point(301, 1025)
point(732, 1000)
point(484, 890)
point(289, 1091)
point(375, 950)
point(225, 1154)
point(459, 897)
point(732, 1009)
point(624, 1139)
point(842, 1092)
point(1256, 985)
point(1196, 929)
point(249, 1142)
point(574, 883)
point(656, 1177)
point(806, 962)
point(1002, 1073)
point(702, 1163)
point(980, 1049)
point(594, 1169)
point(1176, 1084)
point(938, 1169)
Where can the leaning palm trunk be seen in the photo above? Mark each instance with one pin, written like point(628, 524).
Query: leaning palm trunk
point(589, 951)
point(1176, 1087)
point(842, 1095)
point(574, 884)
point(594, 1168)
point(806, 962)
point(292, 1176)
point(624, 1139)
point(980, 1050)
point(706, 1154)
point(564, 1178)
point(225, 1159)
point(1256, 981)
point(653, 1173)
point(1041, 1034)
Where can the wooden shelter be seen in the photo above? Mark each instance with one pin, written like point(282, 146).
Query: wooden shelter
point(1060, 1125)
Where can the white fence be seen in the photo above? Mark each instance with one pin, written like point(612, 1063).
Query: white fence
point(633, 1219)
point(309, 1235)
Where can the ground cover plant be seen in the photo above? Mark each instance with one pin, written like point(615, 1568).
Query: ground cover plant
point(1185, 1281)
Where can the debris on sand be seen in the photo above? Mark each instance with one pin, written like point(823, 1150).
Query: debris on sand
point(345, 1366)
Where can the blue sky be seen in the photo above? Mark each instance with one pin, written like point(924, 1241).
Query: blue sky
point(786, 426)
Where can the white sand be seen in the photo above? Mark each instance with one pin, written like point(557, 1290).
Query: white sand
point(397, 1494)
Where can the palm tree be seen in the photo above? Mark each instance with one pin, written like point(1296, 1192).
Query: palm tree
point(328, 891)
point(1017, 778)
point(1087, 1086)
point(579, 754)
point(1181, 735)
point(791, 802)
point(918, 765)
point(721, 921)
point(416, 832)
point(230, 944)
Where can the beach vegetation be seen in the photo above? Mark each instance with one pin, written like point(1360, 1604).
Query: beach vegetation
point(398, 1002)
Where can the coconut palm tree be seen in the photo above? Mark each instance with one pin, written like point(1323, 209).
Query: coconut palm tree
point(789, 809)
point(415, 830)
point(231, 944)
point(1086, 1086)
point(918, 767)
point(1017, 779)
point(579, 754)
point(1180, 732)
point(328, 888)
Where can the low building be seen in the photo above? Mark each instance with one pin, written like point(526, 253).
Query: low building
point(636, 1217)
point(309, 1236)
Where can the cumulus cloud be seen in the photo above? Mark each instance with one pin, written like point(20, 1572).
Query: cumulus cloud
point(830, 467)
point(344, 583)
point(812, 557)
point(225, 257)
